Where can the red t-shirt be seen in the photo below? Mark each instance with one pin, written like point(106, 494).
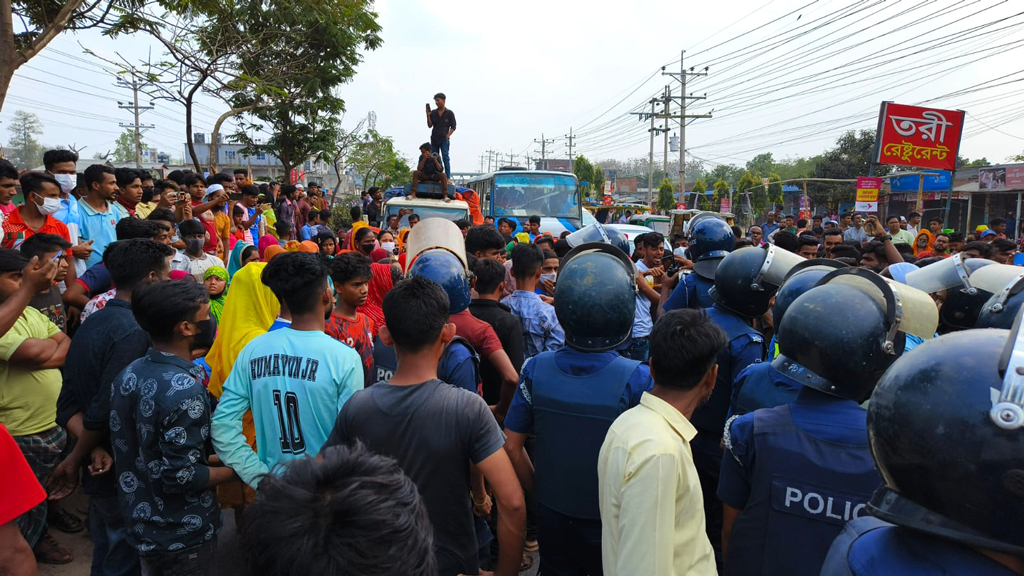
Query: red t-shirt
point(17, 231)
point(209, 221)
point(19, 489)
point(479, 334)
point(356, 334)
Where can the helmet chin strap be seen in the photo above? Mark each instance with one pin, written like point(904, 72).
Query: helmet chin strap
point(1008, 408)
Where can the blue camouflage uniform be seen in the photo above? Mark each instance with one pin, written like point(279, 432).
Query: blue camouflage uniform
point(797, 473)
point(868, 546)
point(569, 399)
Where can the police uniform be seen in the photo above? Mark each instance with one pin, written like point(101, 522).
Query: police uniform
point(458, 366)
point(761, 386)
point(569, 399)
point(868, 546)
point(690, 292)
point(797, 472)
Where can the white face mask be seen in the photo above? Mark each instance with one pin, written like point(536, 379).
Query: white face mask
point(388, 247)
point(551, 276)
point(50, 206)
point(67, 181)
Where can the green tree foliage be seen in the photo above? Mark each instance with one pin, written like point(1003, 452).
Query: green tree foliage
point(124, 147)
point(849, 159)
point(598, 180)
point(731, 174)
point(721, 188)
point(665, 199)
point(964, 162)
point(761, 164)
point(23, 150)
point(699, 188)
point(584, 170)
point(376, 160)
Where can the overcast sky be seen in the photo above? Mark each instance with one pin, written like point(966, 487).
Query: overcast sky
point(786, 76)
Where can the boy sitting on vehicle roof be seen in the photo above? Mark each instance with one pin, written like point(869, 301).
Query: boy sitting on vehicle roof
point(429, 169)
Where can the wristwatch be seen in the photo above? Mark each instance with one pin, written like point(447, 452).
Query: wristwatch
point(887, 237)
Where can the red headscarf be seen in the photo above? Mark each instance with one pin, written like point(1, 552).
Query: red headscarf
point(380, 284)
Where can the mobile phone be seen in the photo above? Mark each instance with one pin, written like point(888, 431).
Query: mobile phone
point(667, 260)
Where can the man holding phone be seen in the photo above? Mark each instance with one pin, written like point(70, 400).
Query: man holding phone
point(442, 122)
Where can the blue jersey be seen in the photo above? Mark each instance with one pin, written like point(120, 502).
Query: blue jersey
point(295, 382)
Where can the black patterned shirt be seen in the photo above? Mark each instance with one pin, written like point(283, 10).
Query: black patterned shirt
point(160, 431)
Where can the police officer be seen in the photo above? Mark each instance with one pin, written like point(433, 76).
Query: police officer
point(711, 240)
point(793, 474)
point(952, 278)
point(569, 398)
point(954, 472)
point(760, 385)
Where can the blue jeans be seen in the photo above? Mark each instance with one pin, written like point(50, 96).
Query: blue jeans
point(195, 561)
point(639, 349)
point(443, 150)
point(112, 555)
point(569, 546)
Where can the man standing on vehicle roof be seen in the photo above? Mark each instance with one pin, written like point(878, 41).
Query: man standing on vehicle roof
point(442, 121)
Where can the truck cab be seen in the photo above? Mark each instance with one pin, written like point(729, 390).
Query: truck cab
point(424, 208)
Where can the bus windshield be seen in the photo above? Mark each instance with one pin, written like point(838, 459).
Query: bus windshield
point(424, 212)
point(549, 195)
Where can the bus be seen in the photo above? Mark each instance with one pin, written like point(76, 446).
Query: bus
point(518, 193)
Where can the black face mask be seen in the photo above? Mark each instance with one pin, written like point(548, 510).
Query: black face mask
point(366, 248)
point(207, 331)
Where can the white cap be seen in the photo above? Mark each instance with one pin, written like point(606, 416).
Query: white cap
point(213, 188)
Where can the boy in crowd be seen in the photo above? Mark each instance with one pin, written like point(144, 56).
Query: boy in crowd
point(489, 283)
point(409, 419)
point(31, 354)
point(428, 169)
point(295, 379)
point(193, 259)
point(95, 211)
point(159, 427)
point(351, 275)
point(541, 330)
point(49, 247)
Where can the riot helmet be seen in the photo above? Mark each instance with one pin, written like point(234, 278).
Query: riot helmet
point(437, 251)
point(595, 298)
point(711, 239)
point(965, 291)
point(945, 428)
point(598, 232)
point(800, 279)
point(747, 279)
point(1006, 283)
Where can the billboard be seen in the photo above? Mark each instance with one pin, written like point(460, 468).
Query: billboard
point(867, 194)
point(916, 136)
point(625, 185)
point(995, 178)
point(931, 183)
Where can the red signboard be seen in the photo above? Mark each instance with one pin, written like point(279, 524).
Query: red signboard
point(919, 137)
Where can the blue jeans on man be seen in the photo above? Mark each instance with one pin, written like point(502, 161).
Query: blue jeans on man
point(443, 151)
point(112, 555)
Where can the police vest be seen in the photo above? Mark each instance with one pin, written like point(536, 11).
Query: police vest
point(711, 417)
point(697, 287)
point(802, 491)
point(763, 387)
point(385, 362)
point(572, 415)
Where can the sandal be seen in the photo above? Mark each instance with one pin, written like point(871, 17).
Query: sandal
point(49, 551)
point(64, 521)
point(526, 563)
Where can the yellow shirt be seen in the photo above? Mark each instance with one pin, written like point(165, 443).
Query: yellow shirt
point(652, 508)
point(144, 209)
point(28, 396)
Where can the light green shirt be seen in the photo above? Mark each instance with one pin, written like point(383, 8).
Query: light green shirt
point(903, 237)
point(28, 396)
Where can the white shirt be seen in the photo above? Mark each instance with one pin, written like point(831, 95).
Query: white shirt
point(642, 322)
point(195, 266)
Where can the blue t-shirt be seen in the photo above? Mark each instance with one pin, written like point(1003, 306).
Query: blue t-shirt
point(575, 363)
point(295, 382)
point(98, 227)
point(255, 228)
point(825, 417)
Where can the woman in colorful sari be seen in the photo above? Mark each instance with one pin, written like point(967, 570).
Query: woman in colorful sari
point(241, 255)
point(266, 242)
point(215, 280)
point(249, 311)
point(383, 278)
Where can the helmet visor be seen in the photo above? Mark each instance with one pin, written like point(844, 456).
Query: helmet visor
point(953, 272)
point(915, 310)
point(436, 233)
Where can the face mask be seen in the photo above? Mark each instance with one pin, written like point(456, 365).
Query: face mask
point(67, 181)
point(195, 245)
point(551, 276)
point(50, 206)
point(366, 248)
point(388, 247)
point(207, 331)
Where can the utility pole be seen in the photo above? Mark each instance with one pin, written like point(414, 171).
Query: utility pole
point(681, 76)
point(134, 106)
point(511, 158)
point(653, 130)
point(543, 150)
point(481, 162)
point(570, 146)
point(490, 155)
point(667, 100)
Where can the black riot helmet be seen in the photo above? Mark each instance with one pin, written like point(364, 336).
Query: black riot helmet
point(1002, 307)
point(968, 282)
point(800, 279)
point(817, 334)
point(598, 232)
point(595, 298)
point(962, 307)
point(711, 239)
point(747, 279)
point(945, 427)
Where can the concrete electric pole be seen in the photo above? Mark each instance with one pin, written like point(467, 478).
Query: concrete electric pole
point(134, 106)
point(681, 76)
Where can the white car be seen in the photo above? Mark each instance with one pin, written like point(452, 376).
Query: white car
point(631, 231)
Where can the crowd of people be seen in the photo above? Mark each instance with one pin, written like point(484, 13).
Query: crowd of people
point(407, 397)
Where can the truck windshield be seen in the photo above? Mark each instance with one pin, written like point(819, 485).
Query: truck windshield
point(550, 195)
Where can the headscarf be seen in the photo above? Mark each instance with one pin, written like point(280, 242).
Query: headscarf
point(380, 283)
point(266, 241)
point(179, 275)
point(309, 246)
point(235, 259)
point(931, 242)
point(217, 302)
point(273, 251)
point(378, 255)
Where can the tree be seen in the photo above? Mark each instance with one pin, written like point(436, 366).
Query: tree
point(375, 159)
point(699, 189)
point(721, 188)
point(849, 159)
point(599, 180)
point(761, 164)
point(964, 162)
point(731, 174)
point(584, 171)
point(124, 147)
point(665, 199)
point(23, 150)
point(337, 154)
